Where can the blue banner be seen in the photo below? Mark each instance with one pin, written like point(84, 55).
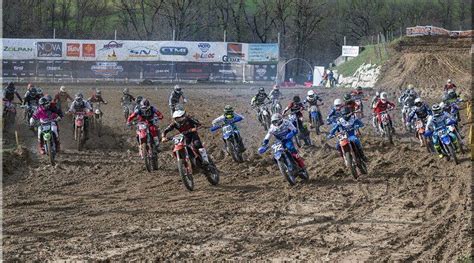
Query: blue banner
point(263, 53)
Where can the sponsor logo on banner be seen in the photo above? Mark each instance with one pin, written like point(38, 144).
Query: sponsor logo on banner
point(174, 51)
point(88, 50)
point(111, 45)
point(235, 50)
point(73, 49)
point(53, 68)
point(17, 49)
point(142, 52)
point(49, 49)
point(230, 59)
point(107, 69)
point(261, 72)
point(204, 47)
point(112, 56)
point(18, 68)
point(259, 53)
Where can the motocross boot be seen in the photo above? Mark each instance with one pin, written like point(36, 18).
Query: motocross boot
point(438, 150)
point(41, 147)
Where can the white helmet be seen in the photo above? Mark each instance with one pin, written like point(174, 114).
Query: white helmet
point(337, 102)
point(310, 93)
point(178, 114)
point(442, 105)
point(377, 93)
point(383, 95)
point(62, 89)
point(277, 119)
point(418, 100)
point(177, 88)
point(449, 81)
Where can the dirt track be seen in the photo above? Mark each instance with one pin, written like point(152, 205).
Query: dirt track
point(102, 204)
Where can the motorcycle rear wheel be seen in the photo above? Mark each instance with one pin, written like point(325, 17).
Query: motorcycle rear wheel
point(50, 152)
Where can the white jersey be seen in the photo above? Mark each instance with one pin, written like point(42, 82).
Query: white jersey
point(281, 131)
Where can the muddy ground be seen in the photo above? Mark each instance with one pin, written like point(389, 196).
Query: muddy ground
point(101, 203)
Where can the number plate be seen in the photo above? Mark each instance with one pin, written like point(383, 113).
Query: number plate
point(227, 129)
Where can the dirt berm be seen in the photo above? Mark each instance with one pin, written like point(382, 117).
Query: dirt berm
point(427, 62)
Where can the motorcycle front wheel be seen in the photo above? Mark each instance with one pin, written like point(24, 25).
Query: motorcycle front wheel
point(187, 178)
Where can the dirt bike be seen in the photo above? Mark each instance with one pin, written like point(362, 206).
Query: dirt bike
point(358, 109)
point(49, 139)
point(9, 114)
point(303, 131)
point(147, 147)
point(276, 106)
point(352, 157)
point(127, 110)
point(405, 112)
point(264, 117)
point(97, 119)
point(79, 129)
point(188, 158)
point(419, 134)
point(385, 126)
point(231, 137)
point(315, 115)
point(287, 164)
point(29, 110)
point(448, 146)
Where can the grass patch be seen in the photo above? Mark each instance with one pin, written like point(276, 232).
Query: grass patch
point(372, 54)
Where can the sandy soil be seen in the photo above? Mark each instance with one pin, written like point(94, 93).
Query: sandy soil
point(101, 203)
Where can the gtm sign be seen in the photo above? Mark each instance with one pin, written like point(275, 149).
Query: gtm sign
point(174, 51)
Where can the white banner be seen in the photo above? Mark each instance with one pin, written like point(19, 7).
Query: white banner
point(350, 51)
point(126, 50)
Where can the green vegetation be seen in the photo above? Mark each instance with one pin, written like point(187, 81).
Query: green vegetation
point(372, 54)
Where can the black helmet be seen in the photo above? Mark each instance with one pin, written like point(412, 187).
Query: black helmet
point(177, 88)
point(346, 113)
point(347, 97)
point(228, 112)
point(49, 98)
point(79, 97)
point(359, 88)
point(296, 99)
point(437, 110)
point(261, 90)
point(43, 101)
point(33, 91)
point(138, 99)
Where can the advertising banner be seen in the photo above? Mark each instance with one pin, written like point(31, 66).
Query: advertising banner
point(350, 51)
point(49, 49)
point(18, 49)
point(262, 53)
point(265, 72)
point(158, 70)
point(19, 68)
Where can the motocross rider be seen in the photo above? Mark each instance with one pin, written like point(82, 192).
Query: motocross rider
point(449, 86)
point(312, 99)
point(147, 113)
point(175, 98)
point(335, 112)
point(296, 107)
point(358, 95)
point(9, 93)
point(81, 105)
point(61, 98)
point(138, 100)
point(382, 105)
point(374, 101)
point(187, 125)
point(275, 95)
point(349, 123)
point(45, 112)
point(438, 120)
point(259, 100)
point(127, 100)
point(229, 118)
point(284, 131)
point(421, 111)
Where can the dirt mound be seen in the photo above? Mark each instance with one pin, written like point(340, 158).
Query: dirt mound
point(101, 204)
point(427, 62)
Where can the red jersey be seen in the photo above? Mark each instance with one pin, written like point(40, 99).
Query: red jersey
point(381, 106)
